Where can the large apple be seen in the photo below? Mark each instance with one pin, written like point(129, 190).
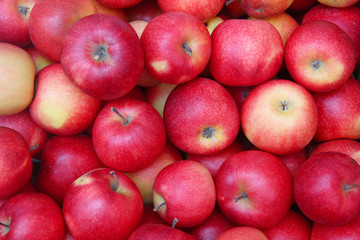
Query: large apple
point(241, 55)
point(15, 162)
point(59, 106)
point(177, 55)
point(279, 116)
point(327, 188)
point(317, 66)
point(31, 216)
point(103, 56)
point(102, 204)
point(184, 194)
point(254, 188)
point(128, 135)
point(17, 71)
point(201, 117)
point(264, 8)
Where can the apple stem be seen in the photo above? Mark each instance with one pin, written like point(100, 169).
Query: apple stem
point(159, 206)
point(174, 222)
point(187, 48)
point(243, 195)
point(227, 3)
point(348, 187)
point(283, 105)
point(5, 225)
point(125, 122)
point(100, 53)
point(34, 147)
point(114, 188)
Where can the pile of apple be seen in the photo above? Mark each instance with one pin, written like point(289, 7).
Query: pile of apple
point(180, 119)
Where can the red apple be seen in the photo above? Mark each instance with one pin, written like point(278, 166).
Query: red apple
point(233, 9)
point(128, 135)
point(15, 162)
point(118, 12)
point(242, 233)
point(118, 3)
point(241, 55)
point(327, 188)
point(40, 59)
point(152, 231)
point(14, 20)
point(17, 71)
point(264, 8)
point(103, 56)
point(201, 117)
point(31, 216)
point(149, 216)
point(102, 204)
point(239, 94)
point(50, 20)
point(63, 160)
point(339, 4)
point(317, 66)
point(212, 227)
point(144, 178)
point(178, 55)
point(29, 187)
point(338, 112)
point(294, 226)
point(60, 107)
point(254, 188)
point(300, 6)
point(144, 10)
point(349, 147)
point(294, 161)
point(348, 19)
point(184, 194)
point(202, 9)
point(349, 231)
point(279, 117)
point(33, 134)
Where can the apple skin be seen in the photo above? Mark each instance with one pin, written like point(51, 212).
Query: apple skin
point(188, 191)
point(15, 162)
point(254, 188)
point(214, 161)
point(118, 3)
point(145, 178)
point(317, 66)
point(212, 227)
point(33, 134)
point(157, 95)
point(97, 203)
point(349, 231)
point(179, 55)
point(60, 107)
point(14, 20)
point(241, 55)
point(144, 10)
point(294, 226)
point(50, 20)
point(128, 146)
point(300, 6)
point(279, 116)
point(17, 71)
point(118, 12)
point(102, 55)
point(349, 147)
point(326, 188)
point(63, 160)
point(201, 117)
point(32, 216)
point(233, 9)
point(40, 59)
point(264, 8)
point(152, 231)
point(29, 187)
point(338, 112)
point(149, 216)
point(203, 9)
point(339, 4)
point(242, 233)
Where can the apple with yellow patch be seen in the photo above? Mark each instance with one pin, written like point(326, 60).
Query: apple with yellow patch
point(60, 107)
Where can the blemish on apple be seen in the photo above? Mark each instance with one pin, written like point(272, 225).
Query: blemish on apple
point(160, 66)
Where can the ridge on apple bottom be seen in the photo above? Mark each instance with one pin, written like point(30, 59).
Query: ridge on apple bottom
point(158, 119)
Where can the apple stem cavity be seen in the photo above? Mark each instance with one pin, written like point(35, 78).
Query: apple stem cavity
point(124, 120)
point(284, 106)
point(243, 195)
point(208, 132)
point(316, 64)
point(348, 187)
point(34, 147)
point(159, 206)
point(174, 222)
point(187, 48)
point(100, 53)
point(114, 187)
point(23, 10)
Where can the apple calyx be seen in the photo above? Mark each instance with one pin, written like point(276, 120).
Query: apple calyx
point(114, 187)
point(34, 147)
point(243, 195)
point(23, 10)
point(187, 48)
point(159, 206)
point(123, 119)
point(348, 187)
point(208, 132)
point(284, 105)
point(316, 64)
point(100, 53)
point(175, 221)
